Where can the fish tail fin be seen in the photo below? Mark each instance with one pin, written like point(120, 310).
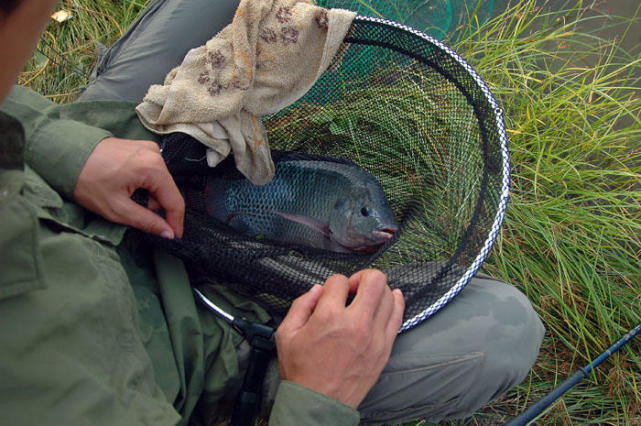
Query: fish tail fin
point(215, 196)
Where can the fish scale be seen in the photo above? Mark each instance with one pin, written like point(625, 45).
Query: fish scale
point(303, 188)
point(295, 189)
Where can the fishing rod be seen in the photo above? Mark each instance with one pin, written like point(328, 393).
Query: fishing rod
point(536, 409)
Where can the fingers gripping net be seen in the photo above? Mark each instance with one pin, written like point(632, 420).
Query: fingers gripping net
point(401, 107)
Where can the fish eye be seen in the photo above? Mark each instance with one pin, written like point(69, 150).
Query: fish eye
point(365, 212)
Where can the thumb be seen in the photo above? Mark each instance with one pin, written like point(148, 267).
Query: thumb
point(301, 310)
point(133, 214)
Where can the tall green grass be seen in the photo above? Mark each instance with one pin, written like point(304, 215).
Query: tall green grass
point(572, 235)
point(68, 50)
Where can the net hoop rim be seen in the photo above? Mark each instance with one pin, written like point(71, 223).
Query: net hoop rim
point(505, 178)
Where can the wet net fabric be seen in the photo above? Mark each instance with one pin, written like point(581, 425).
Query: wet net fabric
point(414, 115)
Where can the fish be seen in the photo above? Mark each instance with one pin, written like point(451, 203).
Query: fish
point(329, 205)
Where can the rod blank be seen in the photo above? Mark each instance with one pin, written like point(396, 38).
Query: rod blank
point(537, 408)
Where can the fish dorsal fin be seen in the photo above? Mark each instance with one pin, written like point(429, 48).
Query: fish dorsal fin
point(315, 224)
point(352, 172)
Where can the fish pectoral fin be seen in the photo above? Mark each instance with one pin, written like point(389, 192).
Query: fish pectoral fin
point(315, 224)
point(231, 216)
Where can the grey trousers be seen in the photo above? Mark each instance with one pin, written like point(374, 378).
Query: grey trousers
point(480, 345)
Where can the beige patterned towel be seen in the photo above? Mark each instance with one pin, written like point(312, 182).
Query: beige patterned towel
point(267, 58)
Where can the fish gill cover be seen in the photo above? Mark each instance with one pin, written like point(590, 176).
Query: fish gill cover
point(417, 124)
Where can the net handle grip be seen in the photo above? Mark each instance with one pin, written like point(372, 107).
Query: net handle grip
point(261, 339)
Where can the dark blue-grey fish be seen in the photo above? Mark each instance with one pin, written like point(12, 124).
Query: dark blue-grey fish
point(323, 204)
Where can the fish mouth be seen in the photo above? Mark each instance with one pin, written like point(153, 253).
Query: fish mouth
point(385, 233)
point(381, 237)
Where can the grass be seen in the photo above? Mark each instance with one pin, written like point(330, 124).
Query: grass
point(68, 50)
point(572, 235)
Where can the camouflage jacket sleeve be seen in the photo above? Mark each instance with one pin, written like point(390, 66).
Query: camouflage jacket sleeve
point(298, 405)
point(57, 147)
point(71, 351)
point(60, 138)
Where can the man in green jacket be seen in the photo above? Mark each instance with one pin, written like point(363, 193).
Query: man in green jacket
point(95, 329)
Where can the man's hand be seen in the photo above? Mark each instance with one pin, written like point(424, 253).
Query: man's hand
point(114, 170)
point(336, 350)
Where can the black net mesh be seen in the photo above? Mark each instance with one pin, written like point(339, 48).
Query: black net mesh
point(401, 116)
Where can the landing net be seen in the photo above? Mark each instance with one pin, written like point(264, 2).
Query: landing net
point(411, 112)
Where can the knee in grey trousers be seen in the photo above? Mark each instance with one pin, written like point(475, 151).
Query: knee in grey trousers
point(476, 348)
point(154, 44)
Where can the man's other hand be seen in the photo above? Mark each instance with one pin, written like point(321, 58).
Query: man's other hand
point(340, 350)
point(114, 170)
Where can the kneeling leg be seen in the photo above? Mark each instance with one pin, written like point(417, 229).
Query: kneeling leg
point(476, 348)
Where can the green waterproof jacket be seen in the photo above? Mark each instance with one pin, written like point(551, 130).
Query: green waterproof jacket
point(94, 328)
